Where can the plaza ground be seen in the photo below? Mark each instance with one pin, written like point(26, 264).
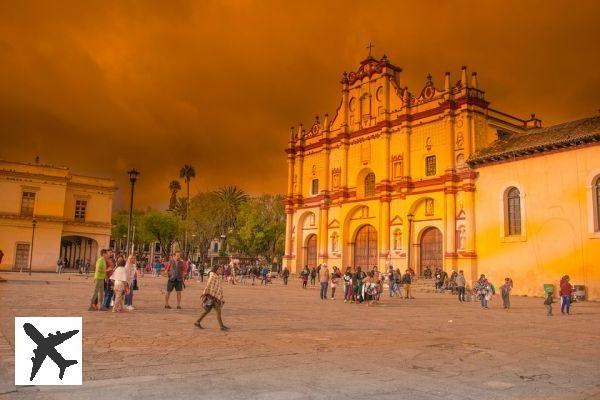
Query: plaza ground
point(285, 343)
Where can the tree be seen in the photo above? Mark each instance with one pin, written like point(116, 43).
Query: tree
point(204, 221)
point(187, 172)
point(119, 227)
point(181, 208)
point(260, 227)
point(162, 227)
point(174, 187)
point(229, 200)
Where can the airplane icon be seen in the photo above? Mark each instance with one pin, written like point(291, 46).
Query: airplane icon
point(46, 347)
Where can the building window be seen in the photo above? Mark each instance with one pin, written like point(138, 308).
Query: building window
point(370, 184)
point(27, 204)
point(513, 211)
point(80, 206)
point(597, 202)
point(430, 168)
point(315, 187)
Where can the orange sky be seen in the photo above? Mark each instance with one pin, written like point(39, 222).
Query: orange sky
point(104, 86)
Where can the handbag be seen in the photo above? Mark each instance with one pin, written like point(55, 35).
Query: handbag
point(135, 285)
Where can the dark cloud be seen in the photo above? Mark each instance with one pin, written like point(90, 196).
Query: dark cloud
point(104, 86)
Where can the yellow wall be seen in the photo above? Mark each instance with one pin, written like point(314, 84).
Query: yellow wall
point(557, 238)
point(54, 210)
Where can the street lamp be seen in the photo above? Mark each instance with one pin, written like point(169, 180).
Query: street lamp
point(33, 224)
point(133, 174)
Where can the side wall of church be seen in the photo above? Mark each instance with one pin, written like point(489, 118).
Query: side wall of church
point(558, 235)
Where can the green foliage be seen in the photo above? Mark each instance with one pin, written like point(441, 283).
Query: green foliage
point(260, 227)
point(203, 221)
point(162, 227)
point(229, 200)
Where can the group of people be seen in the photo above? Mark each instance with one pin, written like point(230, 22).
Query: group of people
point(359, 285)
point(114, 283)
point(116, 279)
point(82, 266)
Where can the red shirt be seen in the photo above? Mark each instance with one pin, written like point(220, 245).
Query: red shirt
point(565, 288)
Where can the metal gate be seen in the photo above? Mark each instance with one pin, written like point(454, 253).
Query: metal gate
point(311, 251)
point(365, 248)
point(22, 256)
point(431, 249)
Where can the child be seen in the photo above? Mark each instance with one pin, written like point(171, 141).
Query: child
point(548, 303)
point(335, 276)
point(505, 289)
point(348, 292)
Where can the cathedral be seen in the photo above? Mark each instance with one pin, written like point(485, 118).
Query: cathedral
point(439, 178)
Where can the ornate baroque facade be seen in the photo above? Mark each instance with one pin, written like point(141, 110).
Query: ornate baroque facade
point(404, 179)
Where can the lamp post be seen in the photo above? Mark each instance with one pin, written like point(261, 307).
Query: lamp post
point(133, 174)
point(33, 224)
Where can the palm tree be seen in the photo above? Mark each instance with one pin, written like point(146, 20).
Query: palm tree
point(174, 187)
point(230, 198)
point(187, 172)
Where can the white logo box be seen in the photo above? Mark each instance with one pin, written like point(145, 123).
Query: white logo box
point(70, 350)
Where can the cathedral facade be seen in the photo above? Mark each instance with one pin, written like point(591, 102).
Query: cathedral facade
point(439, 178)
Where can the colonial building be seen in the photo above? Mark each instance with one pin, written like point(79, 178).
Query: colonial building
point(439, 178)
point(72, 215)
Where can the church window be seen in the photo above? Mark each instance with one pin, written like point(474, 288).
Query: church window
point(315, 187)
point(430, 167)
point(370, 185)
point(513, 211)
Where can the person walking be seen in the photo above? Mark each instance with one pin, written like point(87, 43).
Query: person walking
point(212, 298)
point(407, 281)
point(460, 285)
point(304, 276)
point(335, 277)
point(313, 276)
point(59, 266)
point(348, 292)
point(175, 272)
point(484, 291)
point(121, 287)
point(132, 279)
point(548, 303)
point(201, 269)
point(324, 281)
point(99, 276)
point(505, 291)
point(566, 291)
point(285, 274)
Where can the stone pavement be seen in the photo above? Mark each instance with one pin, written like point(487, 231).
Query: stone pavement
point(285, 343)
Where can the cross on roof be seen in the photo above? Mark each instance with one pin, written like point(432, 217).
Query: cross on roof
point(370, 46)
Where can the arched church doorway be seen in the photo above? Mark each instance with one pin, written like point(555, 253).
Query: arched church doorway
point(311, 251)
point(365, 247)
point(431, 249)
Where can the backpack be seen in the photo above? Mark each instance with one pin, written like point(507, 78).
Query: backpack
point(175, 271)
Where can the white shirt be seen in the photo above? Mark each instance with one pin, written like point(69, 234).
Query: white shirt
point(120, 274)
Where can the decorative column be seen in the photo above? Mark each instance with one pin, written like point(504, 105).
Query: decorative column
point(450, 138)
point(385, 227)
point(470, 217)
point(406, 155)
point(450, 196)
point(323, 237)
point(289, 224)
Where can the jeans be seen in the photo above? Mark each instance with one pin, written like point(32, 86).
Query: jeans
point(324, 290)
point(461, 293)
point(108, 296)
point(285, 280)
point(566, 304)
point(129, 297)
